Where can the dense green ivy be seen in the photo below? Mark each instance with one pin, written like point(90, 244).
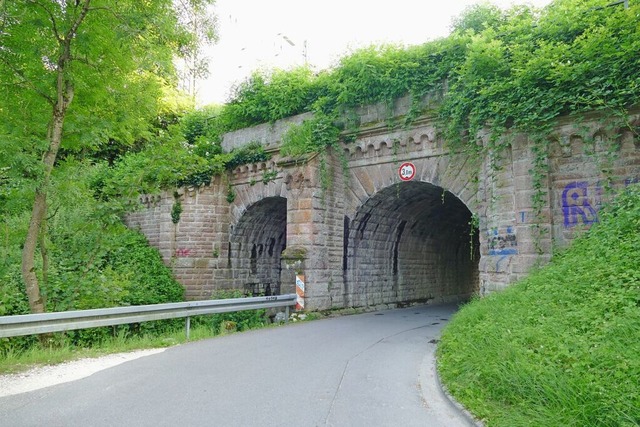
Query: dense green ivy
point(531, 68)
point(267, 97)
point(504, 70)
point(515, 69)
point(311, 136)
point(251, 153)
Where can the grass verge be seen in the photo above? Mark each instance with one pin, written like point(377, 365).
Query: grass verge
point(562, 347)
point(61, 348)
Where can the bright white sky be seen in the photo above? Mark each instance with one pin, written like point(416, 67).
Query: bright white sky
point(268, 34)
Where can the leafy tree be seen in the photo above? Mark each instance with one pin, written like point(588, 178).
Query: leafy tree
point(201, 22)
point(477, 18)
point(201, 130)
point(173, 106)
point(74, 74)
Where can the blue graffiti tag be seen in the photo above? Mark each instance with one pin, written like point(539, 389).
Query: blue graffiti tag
point(576, 206)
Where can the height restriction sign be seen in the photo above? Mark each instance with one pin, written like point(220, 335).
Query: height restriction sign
point(407, 171)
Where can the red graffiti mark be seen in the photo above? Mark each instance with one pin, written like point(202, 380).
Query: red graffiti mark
point(182, 252)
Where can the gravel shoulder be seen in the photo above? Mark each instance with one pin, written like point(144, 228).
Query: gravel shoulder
point(46, 376)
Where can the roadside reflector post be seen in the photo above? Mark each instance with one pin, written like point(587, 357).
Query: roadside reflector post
point(299, 292)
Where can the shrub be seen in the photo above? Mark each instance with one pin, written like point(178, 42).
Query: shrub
point(243, 320)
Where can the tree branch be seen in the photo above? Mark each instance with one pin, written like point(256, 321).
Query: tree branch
point(85, 61)
point(52, 18)
point(25, 81)
point(83, 14)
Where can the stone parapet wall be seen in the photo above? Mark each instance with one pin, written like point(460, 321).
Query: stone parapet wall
point(268, 135)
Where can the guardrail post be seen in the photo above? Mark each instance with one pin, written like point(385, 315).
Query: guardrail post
point(188, 327)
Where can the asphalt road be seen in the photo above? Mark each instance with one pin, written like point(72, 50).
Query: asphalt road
point(373, 369)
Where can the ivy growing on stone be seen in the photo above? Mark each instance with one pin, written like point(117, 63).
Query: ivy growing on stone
point(505, 71)
point(176, 209)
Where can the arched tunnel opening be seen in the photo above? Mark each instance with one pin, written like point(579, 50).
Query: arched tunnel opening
point(410, 242)
point(255, 247)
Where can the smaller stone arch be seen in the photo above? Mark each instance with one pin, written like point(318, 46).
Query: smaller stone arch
point(388, 144)
point(629, 135)
point(256, 242)
point(427, 139)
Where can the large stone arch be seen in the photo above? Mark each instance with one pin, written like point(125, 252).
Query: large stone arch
point(375, 167)
point(411, 241)
point(247, 186)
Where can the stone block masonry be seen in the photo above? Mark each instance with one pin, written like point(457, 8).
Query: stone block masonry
point(363, 237)
point(196, 246)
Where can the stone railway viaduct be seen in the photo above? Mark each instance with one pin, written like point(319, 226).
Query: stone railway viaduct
point(363, 237)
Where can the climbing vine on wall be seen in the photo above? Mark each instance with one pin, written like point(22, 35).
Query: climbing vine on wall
point(507, 71)
point(176, 209)
point(316, 135)
point(513, 69)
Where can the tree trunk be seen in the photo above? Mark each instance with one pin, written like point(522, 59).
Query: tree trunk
point(64, 96)
point(36, 303)
point(39, 211)
point(42, 243)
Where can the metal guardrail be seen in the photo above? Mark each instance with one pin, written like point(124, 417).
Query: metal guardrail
point(30, 324)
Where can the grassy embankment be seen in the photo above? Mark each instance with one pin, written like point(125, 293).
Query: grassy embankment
point(561, 348)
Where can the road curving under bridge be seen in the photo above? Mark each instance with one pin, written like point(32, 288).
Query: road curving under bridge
point(372, 369)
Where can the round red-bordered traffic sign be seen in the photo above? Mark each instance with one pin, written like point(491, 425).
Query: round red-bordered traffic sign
point(407, 171)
